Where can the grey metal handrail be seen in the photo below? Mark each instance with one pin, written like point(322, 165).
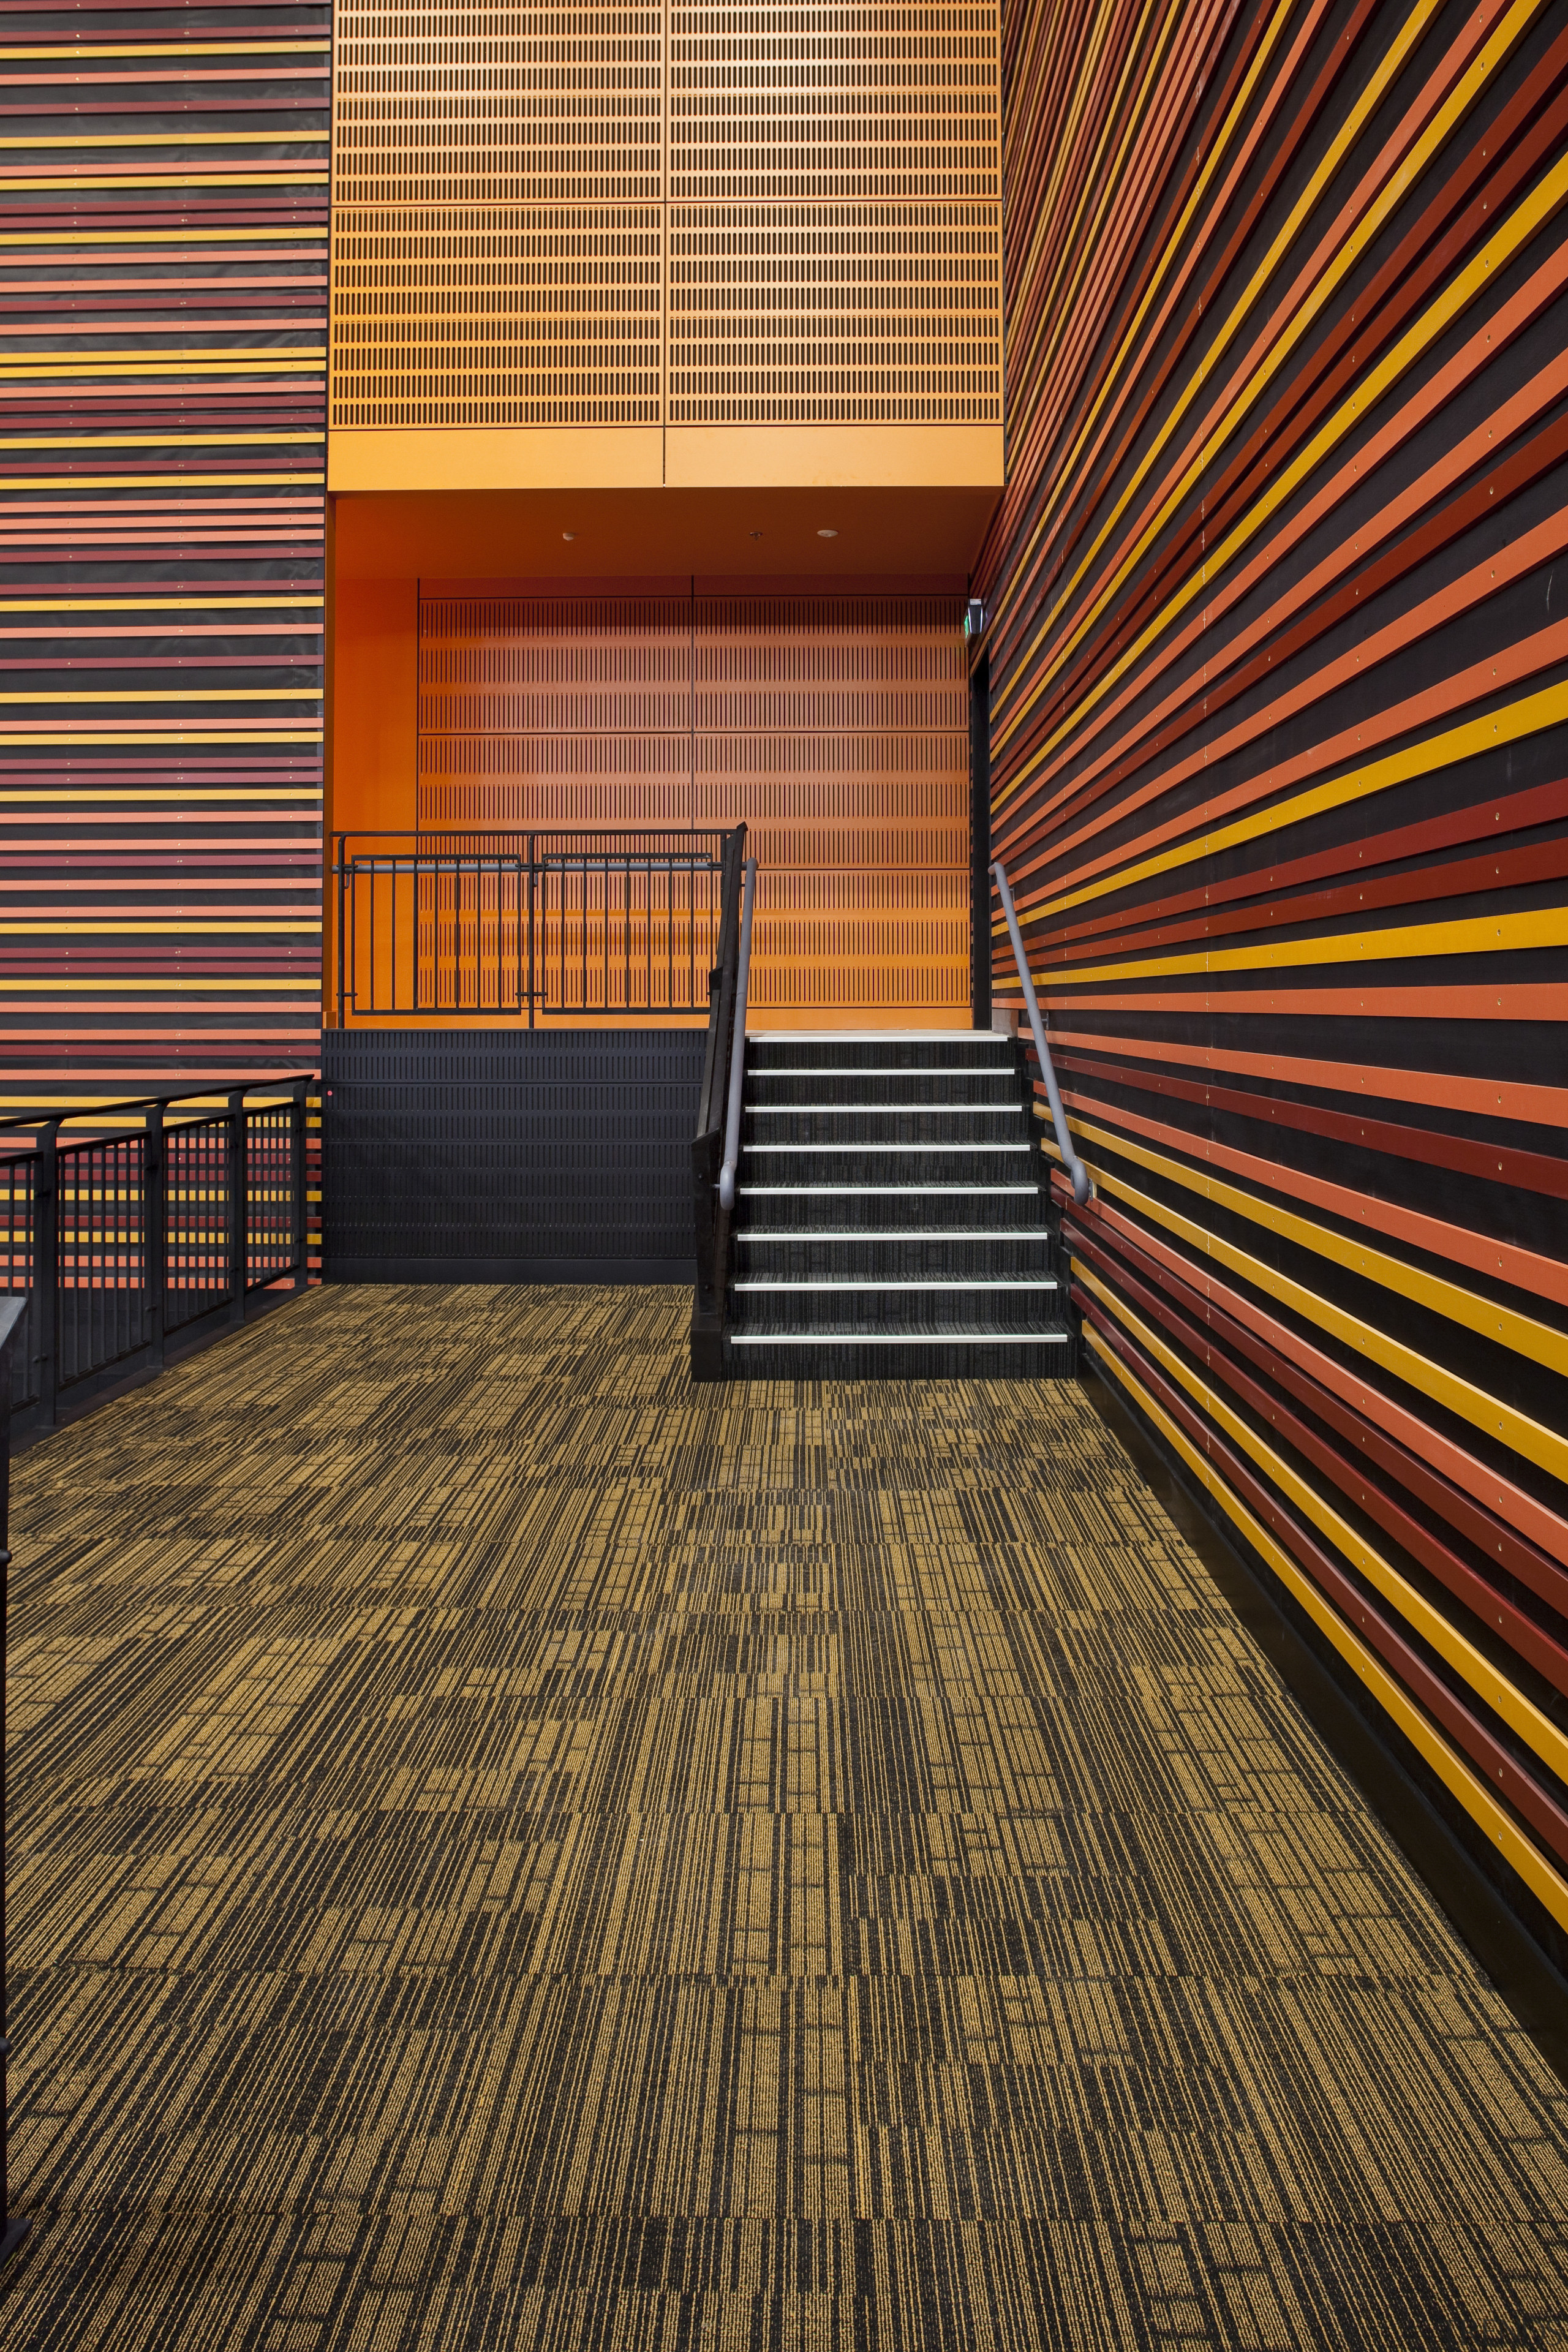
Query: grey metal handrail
point(1082, 1190)
point(738, 1046)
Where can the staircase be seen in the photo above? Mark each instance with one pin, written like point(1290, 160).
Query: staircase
point(890, 1213)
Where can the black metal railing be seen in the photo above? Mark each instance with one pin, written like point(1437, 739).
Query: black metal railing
point(712, 1219)
point(535, 924)
point(167, 1221)
point(14, 2227)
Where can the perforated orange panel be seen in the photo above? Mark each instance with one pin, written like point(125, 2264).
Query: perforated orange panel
point(497, 317)
point(571, 712)
point(861, 943)
point(462, 103)
point(762, 215)
point(835, 726)
point(835, 314)
point(780, 101)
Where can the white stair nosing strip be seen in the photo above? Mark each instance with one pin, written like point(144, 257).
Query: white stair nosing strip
point(880, 1192)
point(908, 1234)
point(880, 1111)
point(915, 1282)
point(877, 1036)
point(852, 1143)
point(897, 1339)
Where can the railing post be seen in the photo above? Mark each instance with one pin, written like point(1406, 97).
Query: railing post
point(737, 1054)
point(13, 2226)
point(299, 1207)
point(340, 868)
point(531, 913)
point(154, 1231)
point(708, 1145)
point(980, 957)
point(47, 1269)
point(238, 1206)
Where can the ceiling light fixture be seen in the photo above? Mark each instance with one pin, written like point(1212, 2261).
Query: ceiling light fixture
point(827, 534)
point(568, 534)
point(754, 534)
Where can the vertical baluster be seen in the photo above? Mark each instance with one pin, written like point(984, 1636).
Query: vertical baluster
point(155, 1232)
point(237, 1219)
point(47, 1269)
point(299, 1207)
point(110, 1321)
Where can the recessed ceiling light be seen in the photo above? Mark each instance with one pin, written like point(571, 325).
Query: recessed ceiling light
point(568, 534)
point(827, 534)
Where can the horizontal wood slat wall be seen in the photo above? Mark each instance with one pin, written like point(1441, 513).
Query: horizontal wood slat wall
point(834, 727)
point(632, 217)
point(163, 272)
point(1277, 752)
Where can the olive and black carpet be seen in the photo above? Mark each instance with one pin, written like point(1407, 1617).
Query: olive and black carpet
point(508, 1848)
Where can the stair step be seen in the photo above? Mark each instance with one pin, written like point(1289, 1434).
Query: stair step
point(777, 1126)
point(1009, 1144)
point(844, 1334)
point(907, 1353)
point(852, 1165)
point(927, 1233)
point(910, 1282)
point(1017, 1305)
point(908, 1208)
point(880, 1253)
point(952, 1049)
point(870, 1089)
point(883, 1111)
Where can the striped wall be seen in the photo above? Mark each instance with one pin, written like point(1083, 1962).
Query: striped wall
point(164, 187)
point(1277, 638)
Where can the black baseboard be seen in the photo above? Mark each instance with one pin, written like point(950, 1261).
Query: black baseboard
point(508, 1156)
point(1504, 1924)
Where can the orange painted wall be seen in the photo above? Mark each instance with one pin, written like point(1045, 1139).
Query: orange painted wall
point(375, 704)
point(372, 745)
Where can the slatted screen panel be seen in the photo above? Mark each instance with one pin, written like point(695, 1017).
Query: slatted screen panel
point(505, 318)
point(466, 104)
point(1279, 755)
point(773, 100)
point(835, 314)
point(835, 726)
point(630, 218)
point(163, 274)
point(554, 713)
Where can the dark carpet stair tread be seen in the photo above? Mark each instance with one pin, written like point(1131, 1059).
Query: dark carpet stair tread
point(893, 1214)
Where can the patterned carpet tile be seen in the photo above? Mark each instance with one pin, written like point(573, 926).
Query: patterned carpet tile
point(510, 1849)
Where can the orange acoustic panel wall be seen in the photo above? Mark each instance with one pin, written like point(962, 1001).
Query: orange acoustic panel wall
point(836, 727)
point(646, 220)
